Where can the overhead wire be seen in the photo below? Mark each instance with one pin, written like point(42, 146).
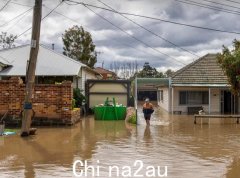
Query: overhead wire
point(5, 5)
point(20, 4)
point(23, 13)
point(216, 8)
point(72, 20)
point(153, 33)
point(18, 20)
point(233, 1)
point(157, 19)
point(132, 36)
point(41, 19)
point(222, 4)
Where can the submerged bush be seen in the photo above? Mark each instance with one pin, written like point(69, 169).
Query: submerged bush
point(132, 119)
point(78, 96)
point(73, 103)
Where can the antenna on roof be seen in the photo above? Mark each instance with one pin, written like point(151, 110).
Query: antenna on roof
point(102, 64)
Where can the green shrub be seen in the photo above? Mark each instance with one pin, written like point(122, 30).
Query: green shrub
point(78, 96)
point(73, 103)
point(133, 119)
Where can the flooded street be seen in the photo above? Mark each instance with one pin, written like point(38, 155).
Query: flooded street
point(188, 150)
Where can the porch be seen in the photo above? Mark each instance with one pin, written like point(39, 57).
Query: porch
point(212, 99)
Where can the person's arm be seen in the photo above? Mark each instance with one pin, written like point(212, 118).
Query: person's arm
point(151, 106)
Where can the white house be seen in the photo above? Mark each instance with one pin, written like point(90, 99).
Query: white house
point(199, 84)
point(51, 66)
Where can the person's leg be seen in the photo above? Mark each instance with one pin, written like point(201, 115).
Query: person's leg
point(148, 120)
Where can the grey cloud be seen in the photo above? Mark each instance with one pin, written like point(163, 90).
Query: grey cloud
point(120, 46)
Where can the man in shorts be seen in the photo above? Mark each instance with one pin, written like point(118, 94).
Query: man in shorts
point(147, 110)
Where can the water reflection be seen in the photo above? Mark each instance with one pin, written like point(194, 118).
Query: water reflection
point(147, 134)
point(172, 141)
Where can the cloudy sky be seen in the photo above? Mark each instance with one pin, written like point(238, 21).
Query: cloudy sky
point(135, 44)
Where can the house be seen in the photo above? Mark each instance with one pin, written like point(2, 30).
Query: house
point(106, 74)
point(147, 88)
point(51, 66)
point(199, 84)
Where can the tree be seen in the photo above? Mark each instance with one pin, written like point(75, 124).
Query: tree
point(229, 60)
point(149, 72)
point(169, 73)
point(7, 41)
point(78, 45)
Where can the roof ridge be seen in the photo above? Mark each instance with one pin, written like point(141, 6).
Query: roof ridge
point(190, 65)
point(105, 69)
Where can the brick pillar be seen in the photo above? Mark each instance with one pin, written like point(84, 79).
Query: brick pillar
point(15, 101)
point(66, 104)
point(4, 96)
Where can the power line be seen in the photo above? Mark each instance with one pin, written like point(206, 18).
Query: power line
point(25, 12)
point(150, 30)
point(132, 35)
point(226, 5)
point(70, 19)
point(5, 5)
point(158, 19)
point(21, 4)
point(19, 20)
point(233, 1)
point(209, 7)
point(41, 20)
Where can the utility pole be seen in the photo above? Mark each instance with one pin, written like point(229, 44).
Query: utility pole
point(30, 76)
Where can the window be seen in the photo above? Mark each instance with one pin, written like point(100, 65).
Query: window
point(160, 95)
point(193, 97)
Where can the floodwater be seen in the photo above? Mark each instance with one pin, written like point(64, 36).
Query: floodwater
point(188, 150)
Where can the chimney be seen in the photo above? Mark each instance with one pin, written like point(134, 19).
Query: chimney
point(52, 46)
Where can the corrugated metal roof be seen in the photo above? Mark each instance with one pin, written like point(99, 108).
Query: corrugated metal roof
point(204, 71)
point(152, 82)
point(3, 61)
point(49, 62)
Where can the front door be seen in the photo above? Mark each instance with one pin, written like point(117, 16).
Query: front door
point(228, 103)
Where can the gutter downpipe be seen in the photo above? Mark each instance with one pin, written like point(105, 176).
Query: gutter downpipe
point(209, 100)
point(169, 91)
point(136, 98)
point(172, 98)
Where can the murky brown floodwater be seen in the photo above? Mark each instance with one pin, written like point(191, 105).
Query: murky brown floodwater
point(189, 151)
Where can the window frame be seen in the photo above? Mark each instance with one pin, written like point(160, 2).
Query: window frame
point(187, 93)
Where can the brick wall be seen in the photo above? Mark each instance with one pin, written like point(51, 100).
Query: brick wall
point(51, 103)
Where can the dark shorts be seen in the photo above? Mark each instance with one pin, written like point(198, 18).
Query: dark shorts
point(147, 117)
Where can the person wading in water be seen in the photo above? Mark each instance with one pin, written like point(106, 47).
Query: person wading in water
point(147, 111)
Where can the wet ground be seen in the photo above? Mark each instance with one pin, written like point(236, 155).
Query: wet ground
point(188, 150)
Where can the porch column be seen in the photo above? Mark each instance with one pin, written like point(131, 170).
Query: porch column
point(172, 98)
point(136, 99)
point(209, 100)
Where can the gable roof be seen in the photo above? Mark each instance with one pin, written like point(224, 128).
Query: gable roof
point(49, 62)
point(203, 72)
point(104, 71)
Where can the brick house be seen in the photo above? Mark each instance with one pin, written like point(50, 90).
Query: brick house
point(199, 84)
point(51, 67)
point(106, 74)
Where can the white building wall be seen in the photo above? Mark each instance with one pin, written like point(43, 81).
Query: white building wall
point(85, 75)
point(215, 99)
point(79, 81)
point(165, 102)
